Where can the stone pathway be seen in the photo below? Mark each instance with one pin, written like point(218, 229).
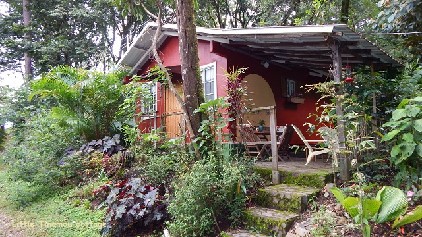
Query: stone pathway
point(7, 229)
point(279, 206)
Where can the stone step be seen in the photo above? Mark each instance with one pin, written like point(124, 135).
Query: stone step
point(285, 197)
point(242, 233)
point(315, 174)
point(270, 221)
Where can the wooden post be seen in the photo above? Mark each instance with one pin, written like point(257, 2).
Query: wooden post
point(337, 64)
point(374, 112)
point(273, 135)
point(274, 152)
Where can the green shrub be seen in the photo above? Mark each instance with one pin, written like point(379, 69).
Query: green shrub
point(86, 101)
point(167, 162)
point(405, 135)
point(34, 158)
point(210, 195)
point(323, 222)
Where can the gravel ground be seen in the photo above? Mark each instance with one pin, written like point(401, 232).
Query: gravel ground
point(7, 229)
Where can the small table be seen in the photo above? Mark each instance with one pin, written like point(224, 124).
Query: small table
point(263, 135)
point(265, 142)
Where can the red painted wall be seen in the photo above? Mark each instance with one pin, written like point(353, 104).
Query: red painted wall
point(209, 52)
point(287, 113)
point(169, 52)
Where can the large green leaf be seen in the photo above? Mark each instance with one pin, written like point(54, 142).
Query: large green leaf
point(417, 99)
point(399, 114)
point(338, 194)
point(412, 110)
point(370, 207)
point(418, 125)
point(406, 150)
point(394, 204)
point(390, 135)
point(408, 137)
point(410, 217)
point(403, 103)
point(351, 204)
point(395, 151)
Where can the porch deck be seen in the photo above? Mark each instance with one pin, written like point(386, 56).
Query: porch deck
point(297, 165)
point(294, 171)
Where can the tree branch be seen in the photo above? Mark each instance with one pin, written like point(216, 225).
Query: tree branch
point(150, 13)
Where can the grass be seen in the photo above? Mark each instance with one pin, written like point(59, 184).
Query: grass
point(56, 214)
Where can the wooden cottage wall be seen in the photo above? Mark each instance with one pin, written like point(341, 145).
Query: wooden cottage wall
point(167, 111)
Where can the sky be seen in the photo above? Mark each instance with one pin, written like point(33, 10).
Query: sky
point(11, 78)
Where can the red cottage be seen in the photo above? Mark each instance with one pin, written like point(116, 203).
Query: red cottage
point(279, 60)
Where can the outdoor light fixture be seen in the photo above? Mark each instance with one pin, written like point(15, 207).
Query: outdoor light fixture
point(266, 64)
point(348, 73)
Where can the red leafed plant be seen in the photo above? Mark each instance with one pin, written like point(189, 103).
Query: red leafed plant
point(235, 92)
point(132, 205)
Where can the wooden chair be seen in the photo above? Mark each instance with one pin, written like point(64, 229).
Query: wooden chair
point(251, 141)
point(311, 151)
point(283, 143)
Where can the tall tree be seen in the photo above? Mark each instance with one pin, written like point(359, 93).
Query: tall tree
point(188, 49)
point(404, 19)
point(79, 33)
point(345, 6)
point(27, 36)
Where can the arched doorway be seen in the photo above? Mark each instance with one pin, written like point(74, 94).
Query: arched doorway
point(258, 94)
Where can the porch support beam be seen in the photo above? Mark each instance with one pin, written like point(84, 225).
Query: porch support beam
point(274, 152)
point(344, 163)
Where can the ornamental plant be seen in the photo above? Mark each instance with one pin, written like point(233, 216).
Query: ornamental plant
point(390, 204)
point(132, 204)
point(405, 135)
point(235, 93)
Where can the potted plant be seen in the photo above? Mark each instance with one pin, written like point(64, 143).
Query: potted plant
point(261, 125)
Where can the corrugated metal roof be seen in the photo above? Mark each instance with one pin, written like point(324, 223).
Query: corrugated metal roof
point(291, 46)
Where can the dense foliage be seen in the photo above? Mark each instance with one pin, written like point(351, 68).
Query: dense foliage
point(405, 131)
point(80, 34)
point(67, 123)
point(213, 192)
point(403, 18)
point(87, 101)
point(388, 205)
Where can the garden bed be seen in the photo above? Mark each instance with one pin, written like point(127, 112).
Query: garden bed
point(326, 217)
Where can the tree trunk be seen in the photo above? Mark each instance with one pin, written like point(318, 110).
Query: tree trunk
point(27, 36)
point(188, 48)
point(344, 16)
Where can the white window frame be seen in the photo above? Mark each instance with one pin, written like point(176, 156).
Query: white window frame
point(152, 109)
point(291, 88)
point(213, 66)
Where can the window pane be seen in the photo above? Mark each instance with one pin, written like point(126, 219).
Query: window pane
point(208, 87)
point(149, 100)
point(208, 80)
point(208, 76)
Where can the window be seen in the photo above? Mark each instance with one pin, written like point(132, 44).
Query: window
point(208, 76)
point(149, 101)
point(291, 88)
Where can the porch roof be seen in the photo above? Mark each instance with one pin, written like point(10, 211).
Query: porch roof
point(285, 46)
